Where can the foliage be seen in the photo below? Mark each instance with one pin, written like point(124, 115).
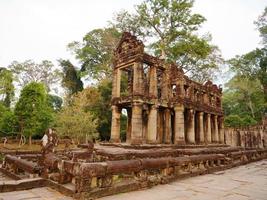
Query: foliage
point(3, 111)
point(261, 24)
point(32, 110)
point(95, 53)
point(71, 79)
point(170, 27)
point(233, 121)
point(123, 130)
point(76, 119)
point(29, 71)
point(6, 87)
point(9, 123)
point(244, 98)
point(236, 121)
point(104, 109)
point(54, 102)
point(252, 65)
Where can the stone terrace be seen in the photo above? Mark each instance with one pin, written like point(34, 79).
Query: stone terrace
point(248, 182)
point(241, 183)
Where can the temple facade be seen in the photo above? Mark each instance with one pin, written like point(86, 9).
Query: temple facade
point(163, 105)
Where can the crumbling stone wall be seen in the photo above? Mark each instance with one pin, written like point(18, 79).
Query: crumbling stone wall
point(163, 105)
point(255, 136)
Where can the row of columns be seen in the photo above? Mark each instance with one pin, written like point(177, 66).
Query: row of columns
point(184, 129)
point(191, 128)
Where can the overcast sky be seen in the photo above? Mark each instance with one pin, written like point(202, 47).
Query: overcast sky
point(41, 29)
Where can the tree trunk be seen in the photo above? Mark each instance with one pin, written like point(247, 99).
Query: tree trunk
point(265, 93)
point(30, 140)
point(251, 108)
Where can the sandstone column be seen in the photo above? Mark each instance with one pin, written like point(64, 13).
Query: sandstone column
point(221, 131)
point(167, 127)
point(242, 139)
point(115, 124)
point(208, 139)
point(116, 83)
point(179, 137)
point(216, 132)
point(190, 135)
point(153, 89)
point(129, 125)
point(136, 135)
point(201, 127)
point(137, 79)
point(160, 130)
point(152, 125)
point(165, 89)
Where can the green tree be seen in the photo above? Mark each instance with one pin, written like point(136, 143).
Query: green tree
point(33, 111)
point(95, 53)
point(171, 26)
point(9, 123)
point(6, 87)
point(104, 109)
point(55, 102)
point(244, 97)
point(71, 79)
point(253, 64)
point(233, 121)
point(76, 120)
point(29, 71)
point(261, 24)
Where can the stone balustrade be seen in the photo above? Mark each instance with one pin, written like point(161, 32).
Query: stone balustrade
point(14, 164)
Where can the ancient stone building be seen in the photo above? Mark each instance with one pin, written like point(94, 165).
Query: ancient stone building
point(163, 105)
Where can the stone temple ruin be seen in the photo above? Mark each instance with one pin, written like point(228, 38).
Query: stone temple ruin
point(163, 105)
point(175, 130)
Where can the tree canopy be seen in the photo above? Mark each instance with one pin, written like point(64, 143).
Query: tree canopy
point(246, 94)
point(33, 111)
point(170, 28)
point(71, 79)
point(77, 119)
point(29, 71)
point(95, 53)
point(6, 87)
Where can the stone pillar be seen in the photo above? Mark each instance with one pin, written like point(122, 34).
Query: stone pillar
point(153, 82)
point(137, 79)
point(216, 132)
point(208, 125)
point(221, 131)
point(136, 133)
point(179, 132)
point(180, 88)
point(201, 127)
point(152, 125)
point(167, 126)
point(115, 124)
point(242, 139)
point(116, 83)
point(129, 125)
point(145, 124)
point(190, 135)
point(165, 89)
point(160, 130)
